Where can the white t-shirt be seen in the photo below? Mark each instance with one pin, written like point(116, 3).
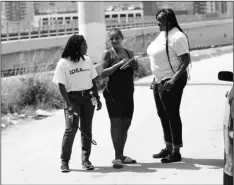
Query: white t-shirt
point(75, 76)
point(177, 45)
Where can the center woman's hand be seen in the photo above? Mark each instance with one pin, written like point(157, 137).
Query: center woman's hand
point(132, 63)
point(122, 62)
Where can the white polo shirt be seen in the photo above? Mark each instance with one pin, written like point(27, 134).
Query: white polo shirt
point(177, 45)
point(76, 76)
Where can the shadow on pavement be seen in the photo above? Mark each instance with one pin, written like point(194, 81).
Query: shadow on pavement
point(193, 164)
point(139, 167)
point(185, 164)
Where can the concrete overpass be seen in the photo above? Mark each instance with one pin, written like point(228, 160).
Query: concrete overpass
point(18, 54)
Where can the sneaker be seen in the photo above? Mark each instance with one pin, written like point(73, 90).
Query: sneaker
point(87, 165)
point(162, 154)
point(117, 163)
point(173, 157)
point(65, 166)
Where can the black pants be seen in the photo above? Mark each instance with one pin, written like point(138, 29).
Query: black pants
point(227, 179)
point(168, 109)
point(85, 109)
point(120, 114)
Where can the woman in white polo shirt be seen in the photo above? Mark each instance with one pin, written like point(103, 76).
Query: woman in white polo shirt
point(75, 75)
point(169, 57)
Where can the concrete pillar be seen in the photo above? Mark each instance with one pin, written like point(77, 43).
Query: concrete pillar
point(92, 26)
point(150, 8)
point(126, 18)
point(230, 8)
point(119, 20)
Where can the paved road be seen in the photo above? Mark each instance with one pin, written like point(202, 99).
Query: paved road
point(30, 151)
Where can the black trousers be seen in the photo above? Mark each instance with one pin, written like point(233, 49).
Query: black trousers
point(168, 109)
point(85, 109)
point(120, 113)
point(227, 179)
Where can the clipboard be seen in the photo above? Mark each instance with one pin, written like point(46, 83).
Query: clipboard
point(130, 61)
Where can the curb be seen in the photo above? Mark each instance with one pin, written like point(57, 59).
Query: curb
point(208, 83)
point(193, 83)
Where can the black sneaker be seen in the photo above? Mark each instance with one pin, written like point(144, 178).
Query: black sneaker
point(162, 154)
point(65, 166)
point(87, 165)
point(173, 157)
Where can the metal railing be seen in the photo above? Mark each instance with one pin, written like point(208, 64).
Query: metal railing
point(72, 27)
point(46, 31)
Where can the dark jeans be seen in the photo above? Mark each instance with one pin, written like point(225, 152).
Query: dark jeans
point(168, 109)
point(227, 179)
point(85, 109)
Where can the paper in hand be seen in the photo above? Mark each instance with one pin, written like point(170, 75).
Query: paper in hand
point(128, 62)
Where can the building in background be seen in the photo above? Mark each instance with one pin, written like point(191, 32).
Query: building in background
point(182, 7)
point(19, 10)
point(3, 9)
point(206, 7)
point(230, 8)
point(3, 16)
point(36, 6)
point(199, 7)
point(50, 7)
point(16, 15)
point(150, 8)
point(221, 6)
point(3, 12)
point(210, 6)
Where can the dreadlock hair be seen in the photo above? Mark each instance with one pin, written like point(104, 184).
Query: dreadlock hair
point(72, 48)
point(170, 18)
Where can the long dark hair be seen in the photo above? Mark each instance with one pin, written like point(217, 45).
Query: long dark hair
point(72, 48)
point(170, 18)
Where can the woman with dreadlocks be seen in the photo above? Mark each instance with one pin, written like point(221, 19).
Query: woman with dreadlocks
point(169, 58)
point(75, 76)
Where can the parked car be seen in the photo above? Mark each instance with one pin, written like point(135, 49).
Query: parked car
point(228, 130)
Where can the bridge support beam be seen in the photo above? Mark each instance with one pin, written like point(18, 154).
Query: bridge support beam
point(92, 26)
